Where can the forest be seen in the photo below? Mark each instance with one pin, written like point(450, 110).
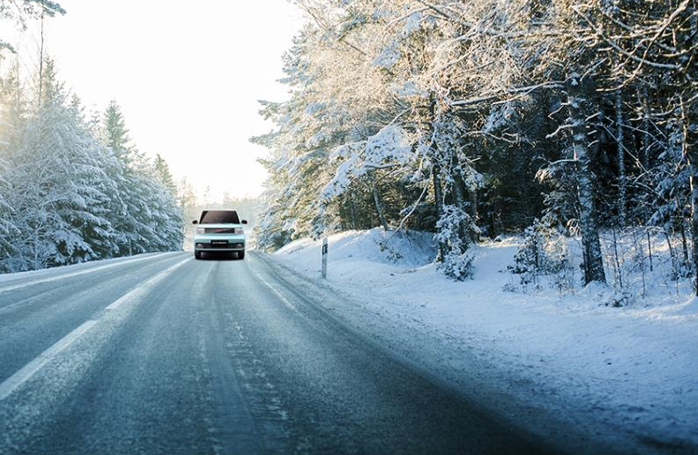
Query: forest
point(469, 120)
point(73, 186)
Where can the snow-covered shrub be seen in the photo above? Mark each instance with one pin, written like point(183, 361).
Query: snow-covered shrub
point(543, 252)
point(458, 266)
point(510, 287)
point(618, 299)
point(528, 259)
point(455, 231)
point(393, 254)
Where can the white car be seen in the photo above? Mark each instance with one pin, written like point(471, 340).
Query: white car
point(219, 230)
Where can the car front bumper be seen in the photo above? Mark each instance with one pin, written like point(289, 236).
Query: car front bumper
point(219, 242)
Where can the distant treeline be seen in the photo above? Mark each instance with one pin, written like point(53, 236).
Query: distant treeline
point(74, 188)
point(474, 118)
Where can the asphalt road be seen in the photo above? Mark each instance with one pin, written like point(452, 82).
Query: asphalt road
point(163, 354)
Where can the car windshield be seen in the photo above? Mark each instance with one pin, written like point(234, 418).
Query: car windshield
point(219, 217)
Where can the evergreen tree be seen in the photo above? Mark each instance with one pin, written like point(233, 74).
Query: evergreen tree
point(72, 190)
point(162, 173)
point(57, 186)
point(147, 216)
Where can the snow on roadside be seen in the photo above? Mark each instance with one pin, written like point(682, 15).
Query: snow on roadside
point(71, 268)
point(628, 376)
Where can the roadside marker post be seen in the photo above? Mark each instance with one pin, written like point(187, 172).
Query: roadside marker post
point(324, 257)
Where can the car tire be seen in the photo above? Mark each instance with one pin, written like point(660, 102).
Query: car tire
point(197, 254)
point(241, 255)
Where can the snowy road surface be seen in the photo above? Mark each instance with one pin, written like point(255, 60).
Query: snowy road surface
point(165, 354)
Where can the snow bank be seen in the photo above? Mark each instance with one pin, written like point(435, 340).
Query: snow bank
point(625, 377)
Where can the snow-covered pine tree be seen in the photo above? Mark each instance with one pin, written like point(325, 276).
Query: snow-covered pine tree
point(56, 185)
point(95, 222)
point(12, 116)
point(580, 91)
point(130, 210)
point(163, 174)
point(146, 215)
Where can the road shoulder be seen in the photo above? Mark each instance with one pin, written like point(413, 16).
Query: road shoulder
point(463, 368)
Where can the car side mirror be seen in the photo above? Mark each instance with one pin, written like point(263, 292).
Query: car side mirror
point(244, 221)
point(194, 222)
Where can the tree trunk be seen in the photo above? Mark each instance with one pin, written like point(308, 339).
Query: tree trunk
point(578, 92)
point(438, 199)
point(690, 144)
point(622, 178)
point(352, 208)
point(377, 202)
point(690, 151)
point(459, 199)
point(473, 204)
point(645, 155)
point(684, 244)
point(642, 99)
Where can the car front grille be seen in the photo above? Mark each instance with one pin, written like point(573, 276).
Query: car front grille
point(219, 230)
point(220, 246)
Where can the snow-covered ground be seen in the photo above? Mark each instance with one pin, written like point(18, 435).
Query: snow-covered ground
point(626, 376)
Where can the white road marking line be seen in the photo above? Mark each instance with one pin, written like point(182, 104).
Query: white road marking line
point(283, 298)
point(23, 375)
point(73, 274)
point(144, 288)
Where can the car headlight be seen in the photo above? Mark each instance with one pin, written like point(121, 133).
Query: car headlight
point(239, 231)
point(200, 230)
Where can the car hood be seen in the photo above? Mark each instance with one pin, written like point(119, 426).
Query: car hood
point(221, 225)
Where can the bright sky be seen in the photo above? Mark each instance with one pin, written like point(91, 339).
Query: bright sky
point(187, 75)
